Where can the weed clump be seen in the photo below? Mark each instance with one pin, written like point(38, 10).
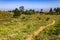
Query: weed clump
point(47, 19)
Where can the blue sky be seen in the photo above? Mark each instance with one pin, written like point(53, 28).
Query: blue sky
point(29, 4)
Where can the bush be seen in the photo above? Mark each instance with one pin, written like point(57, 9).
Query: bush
point(58, 29)
point(24, 18)
point(16, 13)
point(47, 19)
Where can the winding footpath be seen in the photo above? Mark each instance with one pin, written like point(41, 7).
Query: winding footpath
point(29, 37)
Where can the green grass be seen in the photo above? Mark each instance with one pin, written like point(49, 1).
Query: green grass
point(24, 25)
point(50, 33)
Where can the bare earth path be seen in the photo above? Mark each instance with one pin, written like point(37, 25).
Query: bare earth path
point(29, 37)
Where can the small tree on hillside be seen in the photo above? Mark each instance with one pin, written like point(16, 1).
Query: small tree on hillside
point(21, 8)
point(16, 12)
point(57, 10)
point(51, 11)
point(41, 11)
point(29, 12)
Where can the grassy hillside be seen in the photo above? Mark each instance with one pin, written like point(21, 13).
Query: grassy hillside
point(19, 28)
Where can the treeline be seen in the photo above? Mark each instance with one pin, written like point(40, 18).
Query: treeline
point(55, 11)
point(18, 11)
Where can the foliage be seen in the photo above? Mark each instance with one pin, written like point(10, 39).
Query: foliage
point(41, 11)
point(54, 11)
point(50, 33)
point(47, 19)
point(16, 13)
point(21, 8)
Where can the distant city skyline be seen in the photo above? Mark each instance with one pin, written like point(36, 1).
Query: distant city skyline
point(29, 4)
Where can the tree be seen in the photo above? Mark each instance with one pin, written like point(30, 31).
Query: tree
point(41, 10)
point(21, 8)
point(51, 11)
point(16, 12)
point(57, 10)
point(31, 11)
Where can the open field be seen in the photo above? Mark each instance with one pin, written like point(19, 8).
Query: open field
point(19, 28)
point(29, 19)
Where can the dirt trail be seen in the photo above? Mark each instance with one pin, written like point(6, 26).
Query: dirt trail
point(42, 28)
point(29, 37)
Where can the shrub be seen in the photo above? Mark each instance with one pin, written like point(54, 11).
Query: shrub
point(24, 18)
point(16, 13)
point(47, 19)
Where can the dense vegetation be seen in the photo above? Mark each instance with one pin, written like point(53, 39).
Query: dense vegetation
point(18, 23)
point(18, 12)
point(52, 33)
